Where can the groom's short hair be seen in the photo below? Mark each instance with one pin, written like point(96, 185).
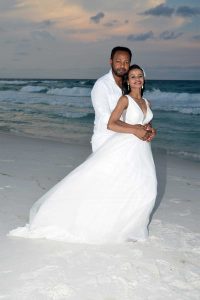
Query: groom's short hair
point(120, 48)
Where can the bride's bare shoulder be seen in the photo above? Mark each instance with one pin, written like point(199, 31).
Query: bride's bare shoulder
point(123, 99)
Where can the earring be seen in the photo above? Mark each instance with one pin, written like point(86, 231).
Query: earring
point(142, 87)
point(128, 85)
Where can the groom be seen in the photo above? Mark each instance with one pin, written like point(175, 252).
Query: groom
point(106, 93)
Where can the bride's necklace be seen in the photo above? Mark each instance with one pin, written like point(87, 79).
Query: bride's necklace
point(138, 100)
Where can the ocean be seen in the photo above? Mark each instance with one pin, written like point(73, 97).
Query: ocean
point(62, 110)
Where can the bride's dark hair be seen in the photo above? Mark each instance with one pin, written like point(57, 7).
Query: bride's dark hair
point(125, 87)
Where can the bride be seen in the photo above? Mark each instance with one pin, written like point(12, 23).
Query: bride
point(109, 197)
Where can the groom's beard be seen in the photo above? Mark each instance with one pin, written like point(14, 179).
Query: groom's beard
point(120, 72)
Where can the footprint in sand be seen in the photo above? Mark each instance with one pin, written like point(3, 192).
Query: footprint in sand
point(58, 291)
point(175, 200)
point(185, 213)
point(5, 187)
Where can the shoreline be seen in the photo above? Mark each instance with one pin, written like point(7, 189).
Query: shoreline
point(166, 266)
point(155, 149)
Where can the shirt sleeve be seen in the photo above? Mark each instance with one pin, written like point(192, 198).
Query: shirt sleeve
point(100, 102)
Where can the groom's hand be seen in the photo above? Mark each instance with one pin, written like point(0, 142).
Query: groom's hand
point(152, 131)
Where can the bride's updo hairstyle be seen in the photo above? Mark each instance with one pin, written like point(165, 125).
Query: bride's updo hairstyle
point(125, 87)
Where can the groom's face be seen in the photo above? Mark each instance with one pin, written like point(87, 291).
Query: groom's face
point(120, 63)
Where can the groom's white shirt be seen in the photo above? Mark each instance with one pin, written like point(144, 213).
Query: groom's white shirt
point(105, 95)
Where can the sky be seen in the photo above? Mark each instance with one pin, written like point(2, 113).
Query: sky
point(74, 38)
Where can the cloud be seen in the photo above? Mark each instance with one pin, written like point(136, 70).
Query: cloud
point(22, 53)
point(47, 23)
point(166, 11)
point(169, 35)
point(97, 18)
point(20, 4)
point(42, 35)
point(196, 37)
point(9, 5)
point(108, 6)
point(159, 10)
point(112, 23)
point(165, 35)
point(140, 37)
point(186, 11)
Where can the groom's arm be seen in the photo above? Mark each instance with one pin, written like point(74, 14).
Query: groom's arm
point(100, 102)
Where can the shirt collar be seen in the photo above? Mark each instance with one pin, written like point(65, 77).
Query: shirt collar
point(110, 73)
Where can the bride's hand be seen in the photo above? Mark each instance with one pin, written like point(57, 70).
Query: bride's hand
point(141, 132)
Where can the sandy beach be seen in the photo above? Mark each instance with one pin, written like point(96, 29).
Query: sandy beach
point(167, 266)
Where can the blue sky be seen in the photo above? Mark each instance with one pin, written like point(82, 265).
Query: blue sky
point(73, 38)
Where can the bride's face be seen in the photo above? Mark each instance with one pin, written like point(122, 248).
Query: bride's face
point(136, 78)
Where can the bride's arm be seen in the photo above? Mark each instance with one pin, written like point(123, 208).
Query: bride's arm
point(115, 124)
point(150, 127)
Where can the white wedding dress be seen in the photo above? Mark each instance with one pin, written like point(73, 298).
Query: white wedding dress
point(107, 199)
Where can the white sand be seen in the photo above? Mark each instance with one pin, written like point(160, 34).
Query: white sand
point(167, 266)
